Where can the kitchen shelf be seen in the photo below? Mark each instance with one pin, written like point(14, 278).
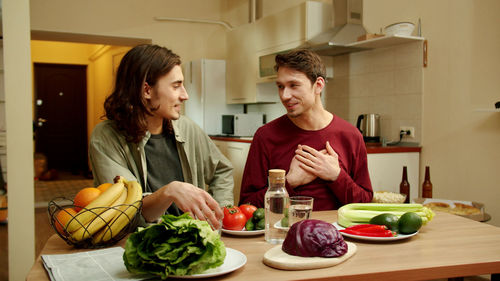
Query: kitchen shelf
point(379, 42)
point(385, 41)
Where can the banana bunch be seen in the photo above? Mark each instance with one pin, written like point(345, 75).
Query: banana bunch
point(108, 214)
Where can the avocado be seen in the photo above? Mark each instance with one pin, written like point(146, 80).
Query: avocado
point(387, 219)
point(409, 223)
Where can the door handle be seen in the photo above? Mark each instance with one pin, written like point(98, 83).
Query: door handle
point(40, 121)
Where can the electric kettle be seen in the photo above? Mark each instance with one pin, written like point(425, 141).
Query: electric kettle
point(369, 126)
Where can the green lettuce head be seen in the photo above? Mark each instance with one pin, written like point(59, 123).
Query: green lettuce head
point(178, 245)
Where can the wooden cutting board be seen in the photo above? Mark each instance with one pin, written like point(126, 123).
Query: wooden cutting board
point(275, 257)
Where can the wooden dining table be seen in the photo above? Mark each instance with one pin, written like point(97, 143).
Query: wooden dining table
point(449, 246)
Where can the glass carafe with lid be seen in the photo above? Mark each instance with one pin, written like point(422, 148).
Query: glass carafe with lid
point(276, 205)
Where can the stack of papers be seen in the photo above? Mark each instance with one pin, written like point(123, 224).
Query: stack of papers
point(96, 265)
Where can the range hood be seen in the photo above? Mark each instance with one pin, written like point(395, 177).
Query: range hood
point(347, 17)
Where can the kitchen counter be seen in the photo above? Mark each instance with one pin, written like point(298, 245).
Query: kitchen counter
point(370, 148)
point(448, 246)
point(392, 149)
point(236, 139)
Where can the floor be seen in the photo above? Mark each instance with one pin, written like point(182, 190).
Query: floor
point(67, 186)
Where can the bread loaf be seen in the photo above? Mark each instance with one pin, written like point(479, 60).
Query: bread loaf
point(459, 209)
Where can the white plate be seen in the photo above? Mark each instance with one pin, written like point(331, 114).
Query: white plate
point(234, 260)
point(397, 237)
point(244, 232)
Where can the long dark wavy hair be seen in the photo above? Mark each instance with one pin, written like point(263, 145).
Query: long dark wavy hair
point(126, 104)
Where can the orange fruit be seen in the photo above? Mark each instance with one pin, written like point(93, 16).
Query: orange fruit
point(3, 208)
point(62, 218)
point(104, 186)
point(85, 196)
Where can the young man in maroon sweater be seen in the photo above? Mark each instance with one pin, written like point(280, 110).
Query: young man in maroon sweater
point(324, 156)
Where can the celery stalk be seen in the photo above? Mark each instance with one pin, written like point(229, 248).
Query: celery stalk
point(359, 213)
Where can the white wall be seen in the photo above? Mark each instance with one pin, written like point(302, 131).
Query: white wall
point(387, 81)
point(17, 73)
point(135, 19)
point(459, 144)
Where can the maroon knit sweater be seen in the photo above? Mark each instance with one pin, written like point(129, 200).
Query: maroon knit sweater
point(274, 145)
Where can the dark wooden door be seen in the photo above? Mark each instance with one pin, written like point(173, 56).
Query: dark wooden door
point(61, 116)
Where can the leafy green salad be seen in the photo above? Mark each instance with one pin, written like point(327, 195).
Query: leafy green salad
point(178, 245)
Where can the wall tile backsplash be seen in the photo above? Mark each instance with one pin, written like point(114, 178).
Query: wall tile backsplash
point(387, 81)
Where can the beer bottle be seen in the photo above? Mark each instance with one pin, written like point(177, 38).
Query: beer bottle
point(404, 186)
point(427, 185)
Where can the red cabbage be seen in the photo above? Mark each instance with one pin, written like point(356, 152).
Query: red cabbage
point(314, 238)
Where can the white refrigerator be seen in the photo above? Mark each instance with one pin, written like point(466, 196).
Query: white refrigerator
point(205, 83)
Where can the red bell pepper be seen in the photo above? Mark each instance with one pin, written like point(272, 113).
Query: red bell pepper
point(371, 230)
point(368, 227)
point(359, 226)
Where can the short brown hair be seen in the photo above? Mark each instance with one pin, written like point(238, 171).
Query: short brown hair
point(126, 104)
point(303, 60)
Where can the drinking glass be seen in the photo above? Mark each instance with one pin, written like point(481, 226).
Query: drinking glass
point(300, 209)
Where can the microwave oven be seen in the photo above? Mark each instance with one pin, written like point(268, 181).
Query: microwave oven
point(266, 67)
point(242, 125)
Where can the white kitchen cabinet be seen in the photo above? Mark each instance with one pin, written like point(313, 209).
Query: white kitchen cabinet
point(274, 33)
point(292, 27)
point(386, 171)
point(237, 153)
point(285, 30)
point(205, 82)
point(222, 146)
point(242, 66)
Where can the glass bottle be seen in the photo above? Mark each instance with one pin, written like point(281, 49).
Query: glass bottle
point(276, 204)
point(427, 185)
point(3, 185)
point(404, 186)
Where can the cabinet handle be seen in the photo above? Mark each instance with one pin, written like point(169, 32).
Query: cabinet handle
point(425, 53)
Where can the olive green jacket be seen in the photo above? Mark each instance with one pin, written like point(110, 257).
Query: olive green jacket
point(203, 165)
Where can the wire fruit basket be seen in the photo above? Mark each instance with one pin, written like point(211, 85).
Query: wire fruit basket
point(98, 232)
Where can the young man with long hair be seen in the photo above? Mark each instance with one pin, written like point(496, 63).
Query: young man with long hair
point(147, 139)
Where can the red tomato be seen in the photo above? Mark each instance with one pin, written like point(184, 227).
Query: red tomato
point(231, 209)
point(233, 219)
point(248, 210)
